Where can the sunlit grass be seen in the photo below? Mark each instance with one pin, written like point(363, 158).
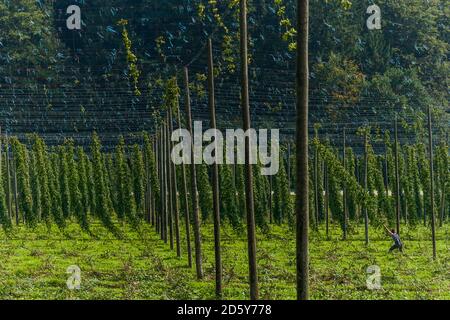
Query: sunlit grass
point(33, 265)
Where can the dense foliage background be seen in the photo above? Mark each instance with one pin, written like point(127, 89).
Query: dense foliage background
point(49, 72)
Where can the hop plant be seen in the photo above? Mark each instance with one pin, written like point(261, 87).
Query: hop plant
point(64, 181)
point(4, 219)
point(205, 192)
point(127, 204)
point(25, 200)
point(228, 197)
point(101, 206)
point(138, 176)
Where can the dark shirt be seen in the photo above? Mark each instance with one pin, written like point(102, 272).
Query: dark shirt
point(396, 239)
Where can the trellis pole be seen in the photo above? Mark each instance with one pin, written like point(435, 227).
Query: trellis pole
point(174, 189)
point(16, 200)
point(187, 219)
point(8, 178)
point(316, 181)
point(366, 168)
point(397, 177)
point(327, 200)
point(433, 217)
point(215, 174)
point(302, 187)
point(251, 228)
point(170, 195)
point(166, 188)
point(194, 195)
point(158, 175)
point(147, 201)
point(344, 195)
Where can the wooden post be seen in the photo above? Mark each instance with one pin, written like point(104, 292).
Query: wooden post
point(327, 201)
point(442, 208)
point(270, 199)
point(358, 178)
point(302, 190)
point(167, 219)
point(215, 174)
point(433, 217)
point(161, 185)
point(366, 168)
point(153, 192)
point(316, 183)
point(8, 178)
point(444, 201)
point(174, 189)
point(245, 101)
point(289, 166)
point(147, 200)
point(1, 147)
point(16, 200)
point(386, 168)
point(397, 179)
point(187, 219)
point(344, 195)
point(163, 189)
point(158, 174)
point(169, 182)
point(194, 195)
point(443, 193)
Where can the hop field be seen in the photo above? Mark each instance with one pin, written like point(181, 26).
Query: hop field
point(33, 265)
point(113, 183)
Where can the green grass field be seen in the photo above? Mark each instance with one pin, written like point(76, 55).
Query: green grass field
point(33, 265)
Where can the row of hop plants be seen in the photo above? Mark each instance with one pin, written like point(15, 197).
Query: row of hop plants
point(66, 183)
point(337, 184)
point(55, 185)
point(41, 184)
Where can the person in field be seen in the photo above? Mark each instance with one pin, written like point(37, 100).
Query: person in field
point(397, 242)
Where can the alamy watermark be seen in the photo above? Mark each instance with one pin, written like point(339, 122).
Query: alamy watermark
point(73, 22)
point(228, 148)
point(374, 20)
point(74, 280)
point(373, 280)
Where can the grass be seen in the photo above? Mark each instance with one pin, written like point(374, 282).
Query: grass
point(33, 265)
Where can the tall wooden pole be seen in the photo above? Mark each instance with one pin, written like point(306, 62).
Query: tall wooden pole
point(444, 197)
point(302, 190)
point(8, 178)
point(358, 178)
point(433, 217)
point(316, 184)
point(16, 200)
point(158, 174)
point(148, 192)
point(386, 168)
point(1, 147)
point(170, 195)
point(153, 193)
point(194, 195)
point(289, 166)
point(270, 199)
point(366, 169)
point(327, 200)
point(174, 189)
point(187, 219)
point(245, 101)
point(215, 174)
point(443, 193)
point(344, 195)
point(397, 178)
point(163, 189)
